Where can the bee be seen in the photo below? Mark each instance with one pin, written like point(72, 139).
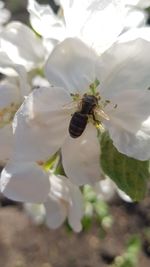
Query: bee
point(79, 119)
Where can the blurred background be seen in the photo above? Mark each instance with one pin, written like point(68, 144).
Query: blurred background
point(18, 8)
point(116, 235)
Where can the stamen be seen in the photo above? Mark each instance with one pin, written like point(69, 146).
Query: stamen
point(7, 114)
point(93, 86)
point(75, 97)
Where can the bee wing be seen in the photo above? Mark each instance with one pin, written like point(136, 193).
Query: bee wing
point(70, 105)
point(102, 114)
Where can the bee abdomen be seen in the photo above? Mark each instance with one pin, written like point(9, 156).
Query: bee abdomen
point(77, 124)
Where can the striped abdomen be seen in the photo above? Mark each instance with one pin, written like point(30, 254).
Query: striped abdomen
point(77, 124)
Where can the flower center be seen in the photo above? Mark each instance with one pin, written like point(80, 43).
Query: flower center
point(7, 114)
point(91, 103)
point(89, 109)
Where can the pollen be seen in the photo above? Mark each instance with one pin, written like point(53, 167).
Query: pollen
point(7, 114)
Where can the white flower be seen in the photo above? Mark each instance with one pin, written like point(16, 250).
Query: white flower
point(12, 93)
point(41, 15)
point(97, 23)
point(20, 50)
point(22, 46)
point(28, 182)
point(9, 103)
point(64, 200)
point(41, 124)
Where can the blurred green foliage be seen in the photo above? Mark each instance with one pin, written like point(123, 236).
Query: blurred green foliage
point(130, 257)
point(95, 209)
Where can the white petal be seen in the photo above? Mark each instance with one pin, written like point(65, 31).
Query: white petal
point(41, 124)
point(76, 210)
point(6, 142)
point(135, 35)
point(60, 187)
point(49, 45)
point(126, 64)
point(55, 212)
point(39, 81)
point(4, 14)
point(2, 5)
point(132, 2)
point(80, 157)
point(9, 94)
point(24, 181)
point(9, 101)
point(71, 65)
point(139, 3)
point(125, 81)
point(35, 211)
point(135, 146)
point(41, 15)
point(22, 45)
point(89, 20)
point(143, 3)
point(105, 189)
point(8, 67)
point(129, 124)
point(135, 18)
point(124, 196)
point(65, 200)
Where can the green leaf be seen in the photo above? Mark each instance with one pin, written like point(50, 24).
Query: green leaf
point(129, 174)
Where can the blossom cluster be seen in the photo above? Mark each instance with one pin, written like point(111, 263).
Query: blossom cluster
point(77, 75)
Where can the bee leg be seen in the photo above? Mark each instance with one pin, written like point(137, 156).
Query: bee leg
point(98, 96)
point(97, 122)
